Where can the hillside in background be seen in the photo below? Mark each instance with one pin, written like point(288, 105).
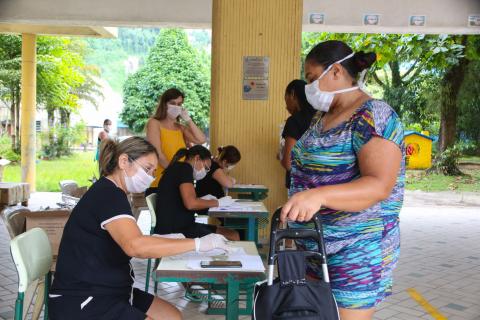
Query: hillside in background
point(127, 52)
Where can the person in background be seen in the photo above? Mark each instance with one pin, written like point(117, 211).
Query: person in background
point(177, 201)
point(301, 114)
point(217, 179)
point(93, 277)
point(102, 135)
point(166, 133)
point(350, 167)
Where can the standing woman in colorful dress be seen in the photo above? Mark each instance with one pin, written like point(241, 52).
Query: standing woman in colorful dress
point(166, 133)
point(349, 165)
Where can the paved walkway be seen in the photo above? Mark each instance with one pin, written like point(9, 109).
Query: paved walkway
point(439, 263)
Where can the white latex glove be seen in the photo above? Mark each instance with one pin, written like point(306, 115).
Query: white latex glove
point(208, 197)
point(225, 201)
point(185, 115)
point(234, 181)
point(209, 242)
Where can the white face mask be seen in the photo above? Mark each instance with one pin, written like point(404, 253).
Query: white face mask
point(173, 111)
point(139, 182)
point(199, 174)
point(107, 127)
point(322, 100)
point(230, 167)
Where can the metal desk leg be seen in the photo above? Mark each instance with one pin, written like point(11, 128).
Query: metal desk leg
point(251, 229)
point(233, 288)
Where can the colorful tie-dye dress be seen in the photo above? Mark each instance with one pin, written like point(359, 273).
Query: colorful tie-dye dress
point(362, 247)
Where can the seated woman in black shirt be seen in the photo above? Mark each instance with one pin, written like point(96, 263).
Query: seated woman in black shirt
point(301, 115)
point(177, 201)
point(217, 178)
point(93, 277)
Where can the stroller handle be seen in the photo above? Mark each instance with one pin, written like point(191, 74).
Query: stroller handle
point(277, 235)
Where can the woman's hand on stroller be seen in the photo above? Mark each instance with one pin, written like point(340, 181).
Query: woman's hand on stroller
point(302, 206)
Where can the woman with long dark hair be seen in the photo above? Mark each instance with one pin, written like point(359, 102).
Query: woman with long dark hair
point(218, 178)
point(177, 201)
point(171, 129)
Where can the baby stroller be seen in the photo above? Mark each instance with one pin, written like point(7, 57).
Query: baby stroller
point(291, 295)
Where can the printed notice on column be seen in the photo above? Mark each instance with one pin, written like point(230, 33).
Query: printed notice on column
point(255, 78)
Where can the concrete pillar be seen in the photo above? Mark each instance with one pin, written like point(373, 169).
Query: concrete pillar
point(266, 28)
point(28, 109)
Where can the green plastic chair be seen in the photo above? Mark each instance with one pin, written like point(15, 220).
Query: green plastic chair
point(32, 255)
point(152, 206)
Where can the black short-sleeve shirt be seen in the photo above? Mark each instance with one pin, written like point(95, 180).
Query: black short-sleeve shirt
point(172, 215)
point(295, 127)
point(209, 185)
point(298, 123)
point(89, 261)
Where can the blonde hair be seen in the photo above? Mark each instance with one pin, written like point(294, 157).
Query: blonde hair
point(110, 150)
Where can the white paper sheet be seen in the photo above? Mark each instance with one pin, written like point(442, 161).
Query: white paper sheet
point(241, 206)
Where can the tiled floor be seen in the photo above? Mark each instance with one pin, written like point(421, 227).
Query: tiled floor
point(440, 259)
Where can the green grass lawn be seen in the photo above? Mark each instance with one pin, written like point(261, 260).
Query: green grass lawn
point(79, 167)
point(418, 180)
point(470, 159)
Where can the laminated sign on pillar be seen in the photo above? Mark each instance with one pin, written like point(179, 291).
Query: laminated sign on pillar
point(255, 77)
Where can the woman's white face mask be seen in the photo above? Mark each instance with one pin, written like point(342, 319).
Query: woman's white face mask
point(139, 182)
point(173, 111)
point(199, 174)
point(322, 100)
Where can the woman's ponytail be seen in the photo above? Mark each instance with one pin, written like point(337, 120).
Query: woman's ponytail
point(189, 153)
point(179, 155)
point(107, 161)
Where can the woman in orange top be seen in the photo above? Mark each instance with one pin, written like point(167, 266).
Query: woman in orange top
point(166, 133)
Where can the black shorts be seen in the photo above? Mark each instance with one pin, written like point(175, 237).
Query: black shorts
point(100, 307)
point(198, 230)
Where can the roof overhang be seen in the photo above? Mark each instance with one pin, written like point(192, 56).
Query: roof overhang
point(58, 29)
point(440, 16)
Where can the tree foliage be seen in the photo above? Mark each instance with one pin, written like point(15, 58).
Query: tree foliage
point(63, 78)
point(171, 62)
point(404, 62)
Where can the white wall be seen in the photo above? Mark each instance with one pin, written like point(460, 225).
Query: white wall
point(442, 16)
point(340, 15)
